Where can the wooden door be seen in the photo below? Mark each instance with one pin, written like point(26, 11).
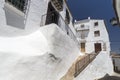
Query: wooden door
point(82, 47)
point(98, 47)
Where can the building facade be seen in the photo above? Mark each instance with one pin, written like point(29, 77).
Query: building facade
point(92, 35)
point(37, 29)
point(25, 16)
point(44, 30)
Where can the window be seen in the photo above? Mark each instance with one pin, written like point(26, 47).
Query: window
point(82, 26)
point(67, 18)
point(97, 33)
point(61, 3)
point(19, 4)
point(84, 34)
point(104, 47)
point(58, 4)
point(52, 15)
point(96, 24)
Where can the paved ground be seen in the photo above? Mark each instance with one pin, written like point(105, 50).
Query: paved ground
point(114, 77)
point(110, 78)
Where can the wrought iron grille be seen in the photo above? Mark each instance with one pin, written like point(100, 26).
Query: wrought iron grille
point(19, 4)
point(61, 23)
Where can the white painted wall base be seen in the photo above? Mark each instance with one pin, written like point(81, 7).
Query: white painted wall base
point(46, 54)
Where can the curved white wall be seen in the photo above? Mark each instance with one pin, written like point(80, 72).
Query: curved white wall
point(46, 54)
point(34, 52)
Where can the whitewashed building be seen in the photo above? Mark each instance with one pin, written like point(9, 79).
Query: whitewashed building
point(92, 35)
point(22, 14)
point(36, 39)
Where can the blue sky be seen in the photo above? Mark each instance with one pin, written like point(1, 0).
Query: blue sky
point(97, 9)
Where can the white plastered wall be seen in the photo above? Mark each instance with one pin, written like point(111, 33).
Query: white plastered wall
point(90, 40)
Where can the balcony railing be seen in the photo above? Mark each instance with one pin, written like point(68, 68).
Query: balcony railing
point(82, 40)
point(82, 36)
point(62, 24)
point(84, 62)
point(86, 27)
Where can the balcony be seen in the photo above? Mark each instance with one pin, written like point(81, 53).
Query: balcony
point(82, 35)
point(82, 27)
point(62, 24)
point(82, 39)
point(58, 4)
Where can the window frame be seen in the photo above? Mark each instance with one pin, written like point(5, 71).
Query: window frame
point(82, 26)
point(96, 33)
point(96, 24)
point(19, 5)
point(67, 17)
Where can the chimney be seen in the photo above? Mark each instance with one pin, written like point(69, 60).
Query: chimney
point(89, 18)
point(75, 20)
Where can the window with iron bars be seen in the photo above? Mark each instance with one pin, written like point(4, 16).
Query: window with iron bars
point(19, 4)
point(58, 4)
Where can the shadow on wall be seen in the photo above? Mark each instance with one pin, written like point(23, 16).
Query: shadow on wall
point(13, 18)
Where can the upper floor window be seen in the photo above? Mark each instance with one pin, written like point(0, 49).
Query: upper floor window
point(82, 26)
point(97, 33)
point(67, 18)
point(58, 4)
point(96, 24)
point(19, 4)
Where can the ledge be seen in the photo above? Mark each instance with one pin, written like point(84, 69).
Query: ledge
point(12, 8)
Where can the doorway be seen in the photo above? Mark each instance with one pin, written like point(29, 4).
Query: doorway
point(98, 47)
point(52, 15)
point(83, 47)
